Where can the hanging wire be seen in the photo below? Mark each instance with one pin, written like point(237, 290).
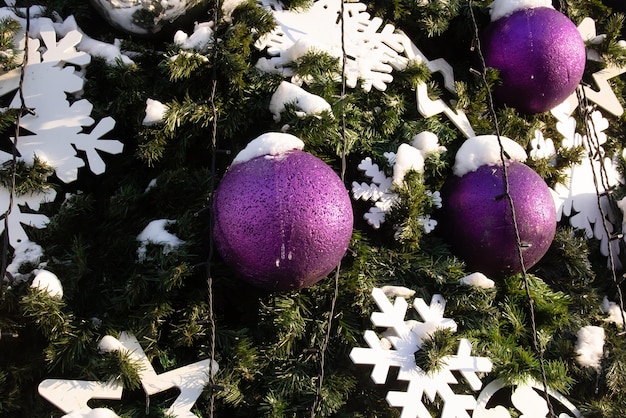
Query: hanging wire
point(209, 276)
point(507, 194)
point(595, 152)
point(333, 304)
point(22, 110)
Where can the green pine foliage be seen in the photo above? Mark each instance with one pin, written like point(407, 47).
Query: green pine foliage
point(268, 345)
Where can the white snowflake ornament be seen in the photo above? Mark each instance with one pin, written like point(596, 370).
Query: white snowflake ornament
point(71, 396)
point(372, 52)
point(577, 198)
point(397, 349)
point(528, 398)
point(380, 190)
point(54, 129)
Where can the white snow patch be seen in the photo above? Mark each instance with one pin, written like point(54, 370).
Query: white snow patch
point(407, 158)
point(485, 150)
point(270, 143)
point(590, 346)
point(109, 52)
point(151, 185)
point(478, 280)
point(201, 37)
point(307, 44)
point(155, 111)
point(228, 6)
point(614, 311)
point(110, 344)
point(502, 8)
point(398, 291)
point(48, 282)
point(428, 143)
point(288, 93)
point(155, 233)
point(27, 252)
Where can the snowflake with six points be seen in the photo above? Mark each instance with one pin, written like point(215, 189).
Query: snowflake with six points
point(398, 347)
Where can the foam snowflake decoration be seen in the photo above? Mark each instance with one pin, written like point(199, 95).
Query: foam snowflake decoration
point(582, 198)
point(372, 52)
point(380, 191)
point(528, 398)
point(397, 348)
point(56, 128)
point(588, 181)
point(542, 148)
point(72, 396)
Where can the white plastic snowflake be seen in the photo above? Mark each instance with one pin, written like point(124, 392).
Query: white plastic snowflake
point(577, 198)
point(56, 128)
point(542, 148)
point(72, 396)
point(372, 53)
point(397, 348)
point(527, 398)
point(380, 192)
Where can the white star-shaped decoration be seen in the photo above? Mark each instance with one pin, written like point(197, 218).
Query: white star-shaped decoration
point(190, 380)
point(605, 97)
point(425, 105)
point(71, 396)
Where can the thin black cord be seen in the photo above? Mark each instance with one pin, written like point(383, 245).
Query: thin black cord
point(23, 109)
point(333, 304)
point(595, 152)
point(509, 199)
point(209, 276)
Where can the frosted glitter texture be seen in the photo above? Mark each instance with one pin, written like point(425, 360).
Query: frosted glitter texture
point(478, 224)
point(540, 56)
point(282, 222)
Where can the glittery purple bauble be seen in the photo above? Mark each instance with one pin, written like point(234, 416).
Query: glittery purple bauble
point(478, 224)
point(540, 56)
point(282, 222)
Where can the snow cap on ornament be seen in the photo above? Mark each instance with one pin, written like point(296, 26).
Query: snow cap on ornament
point(476, 216)
point(283, 217)
point(538, 51)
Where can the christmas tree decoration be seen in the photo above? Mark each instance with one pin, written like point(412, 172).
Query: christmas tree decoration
point(143, 17)
point(397, 348)
point(538, 52)
point(57, 129)
point(527, 398)
point(380, 191)
point(72, 396)
point(283, 218)
point(115, 146)
point(372, 54)
point(576, 198)
point(601, 93)
point(476, 216)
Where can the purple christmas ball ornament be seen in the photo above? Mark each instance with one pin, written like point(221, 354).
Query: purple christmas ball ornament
point(478, 221)
point(282, 222)
point(540, 56)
